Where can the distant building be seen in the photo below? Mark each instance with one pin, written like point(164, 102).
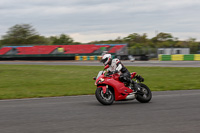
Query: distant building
point(171, 51)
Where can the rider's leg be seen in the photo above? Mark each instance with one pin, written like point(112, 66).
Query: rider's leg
point(134, 86)
point(125, 77)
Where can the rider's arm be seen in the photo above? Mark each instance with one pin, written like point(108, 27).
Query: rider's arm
point(119, 67)
point(109, 71)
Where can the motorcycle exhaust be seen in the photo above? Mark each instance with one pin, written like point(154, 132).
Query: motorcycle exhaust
point(131, 96)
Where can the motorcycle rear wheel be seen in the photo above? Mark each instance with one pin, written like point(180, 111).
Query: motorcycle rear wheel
point(146, 95)
point(105, 99)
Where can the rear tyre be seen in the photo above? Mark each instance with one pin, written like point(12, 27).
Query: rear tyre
point(105, 99)
point(145, 95)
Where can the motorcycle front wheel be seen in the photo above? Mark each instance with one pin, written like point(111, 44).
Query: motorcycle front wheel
point(145, 95)
point(104, 98)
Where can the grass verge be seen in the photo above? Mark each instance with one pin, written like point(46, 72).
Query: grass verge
point(26, 81)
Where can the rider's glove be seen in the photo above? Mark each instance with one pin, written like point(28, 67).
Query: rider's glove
point(116, 71)
point(109, 73)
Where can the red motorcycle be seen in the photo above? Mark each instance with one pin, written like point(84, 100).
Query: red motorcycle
point(110, 89)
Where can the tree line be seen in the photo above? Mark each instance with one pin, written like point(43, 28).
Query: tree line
point(25, 34)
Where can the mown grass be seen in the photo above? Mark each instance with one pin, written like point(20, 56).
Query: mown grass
point(25, 81)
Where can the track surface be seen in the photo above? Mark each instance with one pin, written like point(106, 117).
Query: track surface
point(168, 112)
point(97, 63)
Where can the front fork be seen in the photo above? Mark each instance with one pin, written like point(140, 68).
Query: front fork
point(105, 89)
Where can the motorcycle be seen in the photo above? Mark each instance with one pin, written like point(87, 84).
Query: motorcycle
point(110, 88)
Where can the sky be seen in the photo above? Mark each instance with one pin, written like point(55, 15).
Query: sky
point(95, 20)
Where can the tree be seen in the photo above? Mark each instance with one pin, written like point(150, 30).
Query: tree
point(62, 40)
point(135, 39)
point(164, 36)
point(164, 40)
point(22, 34)
point(194, 46)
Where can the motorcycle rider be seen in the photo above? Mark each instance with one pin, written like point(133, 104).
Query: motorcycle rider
point(115, 66)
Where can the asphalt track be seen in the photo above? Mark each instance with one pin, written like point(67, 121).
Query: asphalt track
point(168, 112)
point(97, 63)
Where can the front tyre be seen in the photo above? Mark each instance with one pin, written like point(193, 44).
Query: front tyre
point(105, 99)
point(145, 95)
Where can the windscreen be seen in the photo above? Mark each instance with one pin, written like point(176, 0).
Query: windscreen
point(99, 74)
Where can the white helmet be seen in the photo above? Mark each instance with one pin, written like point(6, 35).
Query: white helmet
point(106, 59)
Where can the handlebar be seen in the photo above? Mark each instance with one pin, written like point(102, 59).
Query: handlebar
point(110, 74)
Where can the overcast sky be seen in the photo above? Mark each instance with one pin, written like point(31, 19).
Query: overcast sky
point(90, 20)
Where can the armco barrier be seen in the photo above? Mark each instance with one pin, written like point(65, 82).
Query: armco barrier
point(91, 57)
point(99, 57)
point(84, 58)
point(180, 57)
point(177, 57)
point(189, 57)
point(77, 57)
point(165, 57)
point(197, 57)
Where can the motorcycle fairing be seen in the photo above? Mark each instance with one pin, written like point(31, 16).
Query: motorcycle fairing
point(120, 90)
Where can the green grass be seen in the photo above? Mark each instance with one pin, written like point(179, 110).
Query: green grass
point(25, 81)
